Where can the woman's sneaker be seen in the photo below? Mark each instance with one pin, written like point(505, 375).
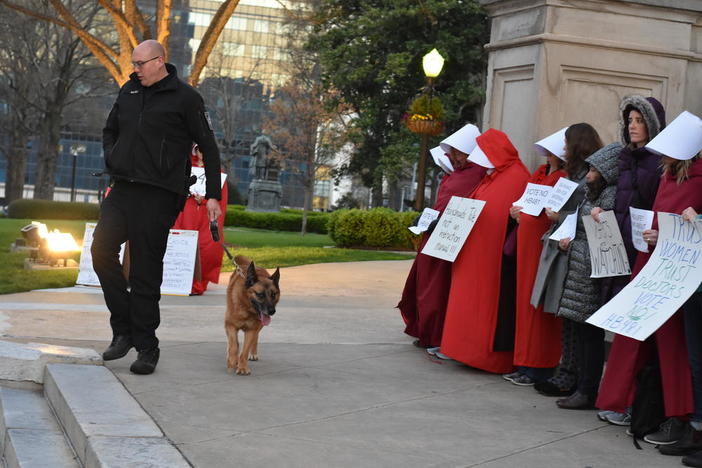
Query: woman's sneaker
point(602, 415)
point(523, 381)
point(669, 432)
point(619, 419)
point(437, 353)
point(512, 376)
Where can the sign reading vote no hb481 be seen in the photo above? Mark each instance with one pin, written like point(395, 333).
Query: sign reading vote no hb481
point(453, 228)
point(670, 277)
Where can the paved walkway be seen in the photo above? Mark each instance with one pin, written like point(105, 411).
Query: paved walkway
point(338, 384)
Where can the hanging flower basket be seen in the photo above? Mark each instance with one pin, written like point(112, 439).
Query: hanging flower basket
point(422, 125)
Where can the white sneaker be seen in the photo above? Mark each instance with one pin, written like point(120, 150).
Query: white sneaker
point(602, 415)
point(438, 354)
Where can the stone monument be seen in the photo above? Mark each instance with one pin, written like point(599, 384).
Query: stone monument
point(265, 191)
point(553, 63)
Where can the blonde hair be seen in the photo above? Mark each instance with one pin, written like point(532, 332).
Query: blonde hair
point(680, 169)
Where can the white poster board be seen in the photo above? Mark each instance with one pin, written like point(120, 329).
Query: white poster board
point(670, 277)
point(178, 262)
point(86, 274)
point(428, 215)
point(453, 228)
point(641, 220)
point(533, 199)
point(199, 187)
point(607, 252)
point(560, 193)
point(567, 228)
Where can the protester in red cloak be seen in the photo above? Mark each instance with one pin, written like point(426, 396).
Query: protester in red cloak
point(194, 217)
point(536, 346)
point(423, 303)
point(478, 329)
point(675, 194)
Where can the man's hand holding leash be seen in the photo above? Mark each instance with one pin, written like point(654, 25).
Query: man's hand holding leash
point(213, 209)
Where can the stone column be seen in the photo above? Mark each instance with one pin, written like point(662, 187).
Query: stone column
point(553, 63)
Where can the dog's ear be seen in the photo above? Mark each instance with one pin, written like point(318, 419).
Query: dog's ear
point(275, 277)
point(251, 276)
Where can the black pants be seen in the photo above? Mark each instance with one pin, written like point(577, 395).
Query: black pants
point(589, 347)
point(141, 214)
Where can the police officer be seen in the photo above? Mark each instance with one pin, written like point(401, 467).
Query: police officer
point(146, 143)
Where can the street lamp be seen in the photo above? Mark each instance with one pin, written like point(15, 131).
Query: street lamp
point(75, 151)
point(432, 63)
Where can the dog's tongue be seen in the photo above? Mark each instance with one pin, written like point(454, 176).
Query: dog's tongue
point(265, 319)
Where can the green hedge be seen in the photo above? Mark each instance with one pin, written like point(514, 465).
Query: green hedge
point(290, 220)
point(45, 209)
point(376, 228)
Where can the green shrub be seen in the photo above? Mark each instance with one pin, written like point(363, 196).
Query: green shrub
point(376, 228)
point(46, 209)
point(277, 221)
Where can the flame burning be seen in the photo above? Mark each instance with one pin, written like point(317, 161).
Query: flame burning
point(61, 242)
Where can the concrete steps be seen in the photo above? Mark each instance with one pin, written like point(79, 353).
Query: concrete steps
point(30, 435)
point(84, 418)
point(105, 425)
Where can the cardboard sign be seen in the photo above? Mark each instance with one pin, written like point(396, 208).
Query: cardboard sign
point(86, 274)
point(453, 228)
point(671, 276)
point(567, 227)
point(607, 252)
point(533, 198)
point(641, 220)
point(179, 261)
point(560, 193)
point(428, 215)
point(199, 187)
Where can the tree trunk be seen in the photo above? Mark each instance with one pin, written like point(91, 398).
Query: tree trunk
point(309, 190)
point(49, 138)
point(394, 195)
point(16, 165)
point(377, 200)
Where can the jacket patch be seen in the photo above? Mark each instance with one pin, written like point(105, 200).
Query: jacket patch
point(209, 121)
point(136, 91)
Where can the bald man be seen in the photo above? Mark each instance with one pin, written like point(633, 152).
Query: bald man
point(146, 143)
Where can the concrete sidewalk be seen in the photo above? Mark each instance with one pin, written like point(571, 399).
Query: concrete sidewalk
point(338, 384)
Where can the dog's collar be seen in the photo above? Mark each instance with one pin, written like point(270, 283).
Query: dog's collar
point(239, 271)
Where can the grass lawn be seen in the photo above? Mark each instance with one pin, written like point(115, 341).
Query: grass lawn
point(269, 249)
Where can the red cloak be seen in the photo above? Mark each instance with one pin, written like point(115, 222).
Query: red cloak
point(194, 217)
point(423, 302)
point(472, 311)
point(627, 356)
point(537, 341)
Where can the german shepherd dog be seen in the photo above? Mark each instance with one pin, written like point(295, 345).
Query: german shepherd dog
point(251, 300)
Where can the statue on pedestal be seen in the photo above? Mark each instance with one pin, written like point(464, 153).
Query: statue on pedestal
point(265, 191)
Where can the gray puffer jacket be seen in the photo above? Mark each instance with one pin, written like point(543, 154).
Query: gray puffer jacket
point(581, 294)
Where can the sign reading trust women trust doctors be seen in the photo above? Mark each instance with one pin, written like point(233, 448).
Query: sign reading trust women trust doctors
point(453, 228)
point(671, 275)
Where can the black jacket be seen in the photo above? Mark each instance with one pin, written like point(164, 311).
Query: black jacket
point(149, 134)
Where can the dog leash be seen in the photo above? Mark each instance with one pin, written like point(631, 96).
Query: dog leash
point(214, 230)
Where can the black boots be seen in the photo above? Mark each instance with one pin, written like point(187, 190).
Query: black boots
point(146, 361)
point(120, 346)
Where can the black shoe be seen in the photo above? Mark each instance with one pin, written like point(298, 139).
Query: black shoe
point(548, 388)
point(120, 346)
point(576, 401)
point(690, 443)
point(693, 460)
point(146, 362)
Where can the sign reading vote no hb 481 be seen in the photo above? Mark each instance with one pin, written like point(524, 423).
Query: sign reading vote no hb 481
point(453, 228)
point(670, 277)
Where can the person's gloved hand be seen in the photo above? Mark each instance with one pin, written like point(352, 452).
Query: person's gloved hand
point(416, 220)
point(432, 225)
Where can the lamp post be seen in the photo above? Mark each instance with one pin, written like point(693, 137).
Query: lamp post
point(75, 151)
point(432, 63)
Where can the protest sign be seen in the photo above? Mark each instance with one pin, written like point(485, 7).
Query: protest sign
point(641, 220)
point(453, 228)
point(178, 261)
point(671, 275)
point(199, 187)
point(560, 193)
point(607, 252)
point(428, 215)
point(533, 198)
point(567, 228)
point(86, 274)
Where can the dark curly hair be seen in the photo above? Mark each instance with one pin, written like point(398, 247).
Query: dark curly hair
point(581, 141)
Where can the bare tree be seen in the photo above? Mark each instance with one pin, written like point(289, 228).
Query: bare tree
point(132, 26)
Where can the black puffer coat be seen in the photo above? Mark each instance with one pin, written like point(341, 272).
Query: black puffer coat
point(581, 294)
